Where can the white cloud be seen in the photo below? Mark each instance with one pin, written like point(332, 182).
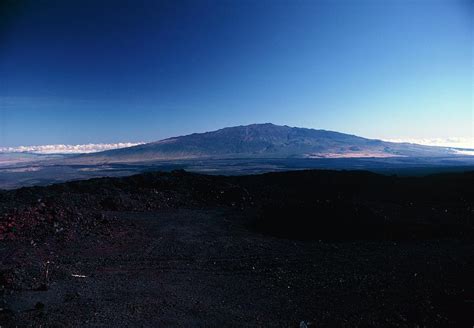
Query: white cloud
point(67, 149)
point(465, 152)
point(454, 142)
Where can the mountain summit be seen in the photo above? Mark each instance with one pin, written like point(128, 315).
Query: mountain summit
point(263, 141)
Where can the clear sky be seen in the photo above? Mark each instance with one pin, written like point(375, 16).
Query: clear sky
point(75, 72)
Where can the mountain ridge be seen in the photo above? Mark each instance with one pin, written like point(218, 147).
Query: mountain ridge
point(264, 140)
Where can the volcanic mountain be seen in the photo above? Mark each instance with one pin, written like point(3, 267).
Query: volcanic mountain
point(262, 141)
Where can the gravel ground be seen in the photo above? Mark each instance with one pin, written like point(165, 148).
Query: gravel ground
point(305, 249)
point(204, 268)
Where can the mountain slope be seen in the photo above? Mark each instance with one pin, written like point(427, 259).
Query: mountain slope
point(262, 141)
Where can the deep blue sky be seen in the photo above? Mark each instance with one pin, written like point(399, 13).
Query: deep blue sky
point(106, 71)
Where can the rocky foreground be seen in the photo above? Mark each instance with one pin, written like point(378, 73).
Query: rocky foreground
point(307, 248)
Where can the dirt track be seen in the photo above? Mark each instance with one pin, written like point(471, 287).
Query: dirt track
point(190, 267)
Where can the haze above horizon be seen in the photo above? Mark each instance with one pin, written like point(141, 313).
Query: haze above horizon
point(79, 72)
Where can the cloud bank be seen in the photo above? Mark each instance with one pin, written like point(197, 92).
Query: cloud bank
point(466, 143)
point(455, 142)
point(67, 149)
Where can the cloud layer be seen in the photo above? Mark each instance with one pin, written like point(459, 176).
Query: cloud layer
point(466, 143)
point(455, 142)
point(67, 149)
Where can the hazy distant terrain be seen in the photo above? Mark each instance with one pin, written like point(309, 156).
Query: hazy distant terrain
point(31, 174)
point(238, 150)
point(8, 159)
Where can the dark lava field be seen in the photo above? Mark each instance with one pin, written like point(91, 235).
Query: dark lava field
point(309, 248)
